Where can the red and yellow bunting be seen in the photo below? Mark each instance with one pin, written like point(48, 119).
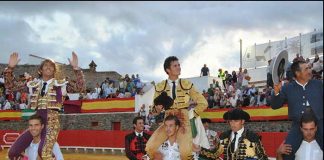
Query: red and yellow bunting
point(261, 113)
point(10, 115)
point(108, 105)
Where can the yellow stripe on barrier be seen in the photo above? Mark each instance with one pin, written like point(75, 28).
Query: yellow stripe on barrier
point(10, 114)
point(108, 104)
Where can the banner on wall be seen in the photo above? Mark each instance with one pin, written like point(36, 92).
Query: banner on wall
point(10, 115)
point(26, 113)
point(108, 105)
point(261, 113)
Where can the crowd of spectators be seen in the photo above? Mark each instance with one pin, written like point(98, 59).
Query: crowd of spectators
point(235, 91)
point(18, 98)
point(125, 87)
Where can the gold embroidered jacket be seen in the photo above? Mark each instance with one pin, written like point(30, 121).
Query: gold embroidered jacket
point(249, 146)
point(185, 91)
point(53, 98)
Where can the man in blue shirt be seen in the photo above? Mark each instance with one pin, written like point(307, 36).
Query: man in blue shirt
point(302, 95)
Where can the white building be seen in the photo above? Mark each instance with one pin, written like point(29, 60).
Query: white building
point(255, 58)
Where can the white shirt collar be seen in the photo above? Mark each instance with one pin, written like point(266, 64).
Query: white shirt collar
point(301, 84)
point(34, 144)
point(170, 81)
point(312, 142)
point(139, 133)
point(175, 144)
point(239, 134)
point(48, 82)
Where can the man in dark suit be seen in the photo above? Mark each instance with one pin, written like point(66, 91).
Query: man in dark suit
point(302, 95)
point(240, 143)
point(135, 142)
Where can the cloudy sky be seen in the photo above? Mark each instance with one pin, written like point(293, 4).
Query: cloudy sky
point(136, 37)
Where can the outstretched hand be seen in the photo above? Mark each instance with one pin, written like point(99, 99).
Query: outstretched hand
point(13, 60)
point(74, 61)
point(284, 148)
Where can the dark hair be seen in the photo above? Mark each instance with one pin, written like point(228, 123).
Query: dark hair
point(172, 117)
point(296, 67)
point(164, 100)
point(36, 116)
point(205, 120)
point(42, 65)
point(308, 117)
point(167, 62)
point(136, 119)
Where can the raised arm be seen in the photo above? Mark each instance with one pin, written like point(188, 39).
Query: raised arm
point(8, 72)
point(279, 97)
point(80, 85)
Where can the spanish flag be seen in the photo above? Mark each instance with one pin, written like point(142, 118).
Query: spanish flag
point(10, 115)
point(108, 105)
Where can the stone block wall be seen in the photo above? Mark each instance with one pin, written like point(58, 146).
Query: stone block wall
point(82, 122)
point(266, 126)
point(105, 122)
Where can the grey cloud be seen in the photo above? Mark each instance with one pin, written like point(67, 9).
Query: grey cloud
point(147, 25)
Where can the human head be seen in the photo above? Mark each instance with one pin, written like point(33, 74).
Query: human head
point(47, 68)
point(172, 66)
point(172, 124)
point(138, 124)
point(301, 71)
point(205, 65)
point(35, 125)
point(205, 122)
point(164, 101)
point(236, 118)
point(308, 126)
